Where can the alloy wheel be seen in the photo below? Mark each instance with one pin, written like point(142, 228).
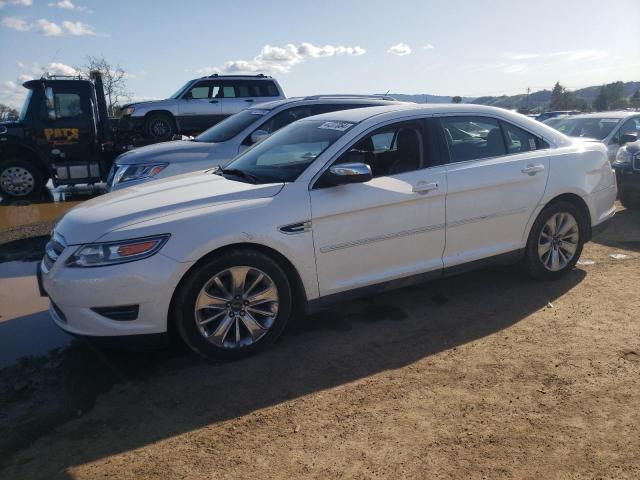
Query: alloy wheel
point(236, 307)
point(558, 241)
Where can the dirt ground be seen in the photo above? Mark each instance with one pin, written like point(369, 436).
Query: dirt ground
point(485, 375)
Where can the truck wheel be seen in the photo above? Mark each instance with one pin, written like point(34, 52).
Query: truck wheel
point(19, 178)
point(159, 126)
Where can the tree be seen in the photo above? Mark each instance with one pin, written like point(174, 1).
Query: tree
point(457, 99)
point(601, 102)
point(114, 79)
point(10, 110)
point(557, 97)
point(615, 94)
point(634, 101)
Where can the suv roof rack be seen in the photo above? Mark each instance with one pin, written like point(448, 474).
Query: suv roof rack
point(48, 76)
point(348, 95)
point(259, 75)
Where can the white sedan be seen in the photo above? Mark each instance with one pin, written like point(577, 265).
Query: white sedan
point(331, 206)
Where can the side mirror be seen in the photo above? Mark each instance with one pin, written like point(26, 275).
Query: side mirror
point(258, 136)
point(51, 103)
point(628, 138)
point(344, 173)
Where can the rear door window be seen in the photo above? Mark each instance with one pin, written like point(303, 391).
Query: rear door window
point(518, 140)
point(473, 138)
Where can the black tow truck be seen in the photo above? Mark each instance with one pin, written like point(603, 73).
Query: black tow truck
point(63, 133)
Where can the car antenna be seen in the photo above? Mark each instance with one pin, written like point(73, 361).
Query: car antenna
point(55, 55)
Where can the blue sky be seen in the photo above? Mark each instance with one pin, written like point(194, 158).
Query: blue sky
point(451, 47)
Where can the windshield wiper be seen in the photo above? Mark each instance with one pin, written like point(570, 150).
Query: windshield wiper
point(238, 173)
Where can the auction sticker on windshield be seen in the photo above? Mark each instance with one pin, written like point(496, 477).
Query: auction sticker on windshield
point(339, 126)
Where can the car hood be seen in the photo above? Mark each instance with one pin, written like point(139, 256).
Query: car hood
point(177, 151)
point(94, 218)
point(633, 147)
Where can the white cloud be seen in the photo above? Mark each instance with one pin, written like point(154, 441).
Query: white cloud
point(515, 68)
point(2, 3)
point(281, 59)
point(24, 3)
point(16, 23)
point(12, 94)
point(69, 5)
point(401, 49)
point(78, 29)
point(569, 55)
point(428, 47)
point(36, 70)
point(49, 29)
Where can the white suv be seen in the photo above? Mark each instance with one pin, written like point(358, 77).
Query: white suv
point(226, 139)
point(198, 104)
point(328, 207)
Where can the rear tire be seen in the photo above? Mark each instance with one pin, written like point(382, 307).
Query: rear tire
point(233, 305)
point(630, 198)
point(20, 178)
point(159, 126)
point(555, 241)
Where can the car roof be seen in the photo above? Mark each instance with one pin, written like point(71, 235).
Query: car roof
point(613, 114)
point(319, 100)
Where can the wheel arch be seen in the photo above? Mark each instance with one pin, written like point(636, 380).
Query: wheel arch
point(164, 112)
point(572, 198)
point(23, 152)
point(297, 286)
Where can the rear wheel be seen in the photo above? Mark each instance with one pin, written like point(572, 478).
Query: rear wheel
point(19, 178)
point(233, 305)
point(159, 126)
point(555, 242)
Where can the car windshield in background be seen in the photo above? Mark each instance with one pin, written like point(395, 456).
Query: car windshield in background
point(287, 153)
point(231, 126)
point(593, 127)
point(179, 93)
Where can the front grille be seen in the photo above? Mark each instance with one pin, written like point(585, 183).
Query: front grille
point(53, 250)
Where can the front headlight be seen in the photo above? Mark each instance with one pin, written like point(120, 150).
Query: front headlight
point(128, 110)
point(113, 253)
point(623, 157)
point(128, 173)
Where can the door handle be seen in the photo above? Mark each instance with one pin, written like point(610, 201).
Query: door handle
point(213, 101)
point(532, 169)
point(249, 100)
point(424, 187)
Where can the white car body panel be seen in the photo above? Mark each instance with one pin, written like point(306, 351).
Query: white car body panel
point(359, 234)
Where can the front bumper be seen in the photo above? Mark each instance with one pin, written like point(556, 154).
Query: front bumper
point(75, 292)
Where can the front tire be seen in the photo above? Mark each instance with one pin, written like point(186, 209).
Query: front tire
point(233, 305)
point(555, 241)
point(159, 126)
point(20, 179)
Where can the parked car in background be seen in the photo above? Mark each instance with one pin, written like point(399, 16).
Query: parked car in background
point(226, 139)
point(627, 167)
point(553, 121)
point(556, 113)
point(613, 129)
point(329, 207)
point(199, 104)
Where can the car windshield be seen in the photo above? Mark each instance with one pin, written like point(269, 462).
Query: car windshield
point(591, 127)
point(25, 106)
point(179, 93)
point(287, 153)
point(231, 126)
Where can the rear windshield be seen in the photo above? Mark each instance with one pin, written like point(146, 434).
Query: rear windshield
point(597, 128)
point(231, 126)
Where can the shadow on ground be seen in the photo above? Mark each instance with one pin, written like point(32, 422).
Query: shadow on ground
point(623, 231)
point(153, 395)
